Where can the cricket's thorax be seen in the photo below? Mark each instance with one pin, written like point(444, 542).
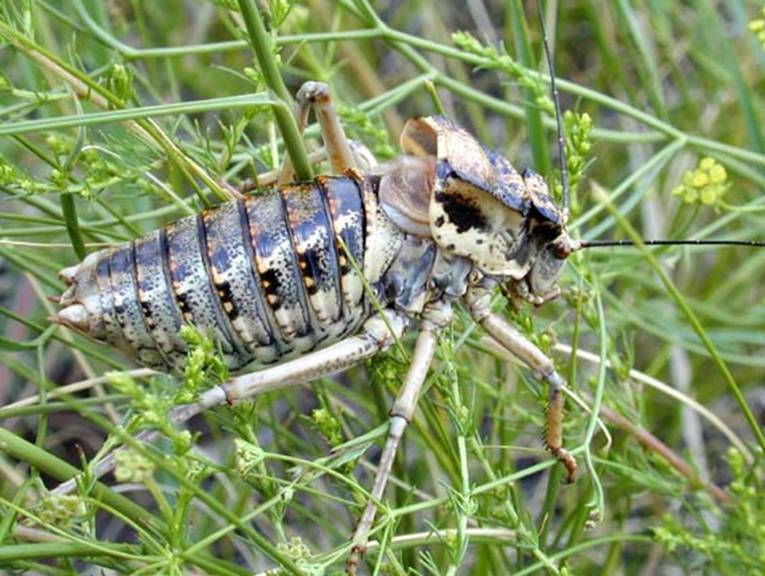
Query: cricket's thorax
point(465, 208)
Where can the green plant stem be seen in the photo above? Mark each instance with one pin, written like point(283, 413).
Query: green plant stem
point(256, 537)
point(130, 53)
point(261, 43)
point(127, 114)
point(598, 501)
point(45, 462)
point(524, 536)
point(665, 128)
point(571, 550)
point(69, 210)
point(87, 88)
point(18, 552)
point(650, 167)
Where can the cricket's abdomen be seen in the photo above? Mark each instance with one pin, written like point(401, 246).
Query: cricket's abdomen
point(268, 277)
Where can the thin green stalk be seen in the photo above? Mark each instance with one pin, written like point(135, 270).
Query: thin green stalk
point(652, 166)
point(597, 503)
point(44, 461)
point(131, 53)
point(258, 539)
point(52, 407)
point(525, 537)
point(127, 114)
point(645, 57)
point(435, 98)
point(85, 87)
point(462, 501)
point(668, 130)
point(572, 550)
point(18, 552)
point(69, 210)
point(261, 43)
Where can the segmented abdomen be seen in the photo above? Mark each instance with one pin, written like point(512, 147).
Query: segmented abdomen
point(268, 277)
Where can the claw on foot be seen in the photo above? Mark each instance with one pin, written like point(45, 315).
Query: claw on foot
point(565, 458)
point(354, 559)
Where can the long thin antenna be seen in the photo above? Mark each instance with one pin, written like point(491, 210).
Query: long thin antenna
point(610, 243)
point(558, 115)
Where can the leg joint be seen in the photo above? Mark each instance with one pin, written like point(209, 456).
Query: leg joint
point(313, 91)
point(399, 413)
point(553, 379)
point(383, 331)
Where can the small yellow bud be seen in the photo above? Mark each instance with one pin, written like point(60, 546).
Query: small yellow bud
point(757, 25)
point(717, 174)
point(132, 467)
point(691, 195)
point(700, 179)
point(709, 195)
point(707, 163)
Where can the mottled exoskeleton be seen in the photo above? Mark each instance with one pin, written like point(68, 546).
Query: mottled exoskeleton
point(278, 275)
point(265, 276)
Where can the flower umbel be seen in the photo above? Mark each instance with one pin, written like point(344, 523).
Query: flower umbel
point(705, 184)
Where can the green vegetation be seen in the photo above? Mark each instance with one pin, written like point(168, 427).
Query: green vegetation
point(118, 116)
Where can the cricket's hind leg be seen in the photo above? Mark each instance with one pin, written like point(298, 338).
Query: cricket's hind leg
point(376, 335)
point(512, 340)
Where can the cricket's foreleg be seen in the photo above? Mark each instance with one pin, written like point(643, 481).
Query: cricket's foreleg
point(400, 415)
point(316, 96)
point(542, 366)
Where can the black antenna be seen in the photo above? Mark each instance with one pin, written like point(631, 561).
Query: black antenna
point(558, 115)
point(565, 180)
point(610, 243)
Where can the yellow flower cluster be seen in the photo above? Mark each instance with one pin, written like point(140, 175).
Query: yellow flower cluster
point(758, 27)
point(705, 184)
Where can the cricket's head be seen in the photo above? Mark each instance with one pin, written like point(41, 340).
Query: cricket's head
point(473, 203)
